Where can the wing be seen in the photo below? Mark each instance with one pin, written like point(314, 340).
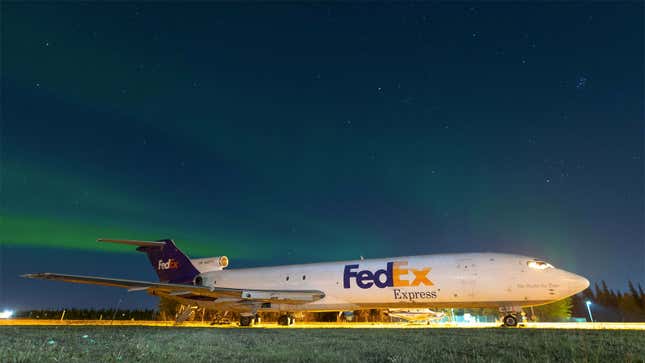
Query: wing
point(275, 296)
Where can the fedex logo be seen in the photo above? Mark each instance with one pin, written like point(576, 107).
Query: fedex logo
point(395, 274)
point(168, 265)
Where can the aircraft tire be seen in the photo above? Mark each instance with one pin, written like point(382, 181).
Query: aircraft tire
point(246, 320)
point(510, 321)
point(283, 320)
point(286, 320)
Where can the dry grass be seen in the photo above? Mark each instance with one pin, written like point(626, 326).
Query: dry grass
point(153, 344)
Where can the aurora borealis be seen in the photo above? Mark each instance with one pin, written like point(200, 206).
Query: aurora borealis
point(315, 132)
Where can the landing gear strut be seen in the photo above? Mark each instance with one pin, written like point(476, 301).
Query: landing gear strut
point(286, 320)
point(185, 311)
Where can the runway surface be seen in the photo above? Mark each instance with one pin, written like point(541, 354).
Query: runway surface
point(308, 325)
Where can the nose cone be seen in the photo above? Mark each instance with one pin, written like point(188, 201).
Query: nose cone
point(577, 283)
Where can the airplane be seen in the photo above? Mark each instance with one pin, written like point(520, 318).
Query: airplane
point(506, 282)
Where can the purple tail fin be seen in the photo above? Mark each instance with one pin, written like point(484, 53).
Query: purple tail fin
point(171, 264)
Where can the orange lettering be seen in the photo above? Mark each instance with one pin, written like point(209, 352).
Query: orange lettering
point(397, 272)
point(421, 277)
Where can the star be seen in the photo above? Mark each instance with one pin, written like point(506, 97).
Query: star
point(581, 82)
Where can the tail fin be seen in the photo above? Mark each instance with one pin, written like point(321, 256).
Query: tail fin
point(169, 262)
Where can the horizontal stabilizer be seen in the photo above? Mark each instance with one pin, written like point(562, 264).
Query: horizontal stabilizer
point(133, 242)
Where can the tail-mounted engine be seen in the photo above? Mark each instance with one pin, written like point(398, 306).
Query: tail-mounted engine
point(210, 264)
point(206, 265)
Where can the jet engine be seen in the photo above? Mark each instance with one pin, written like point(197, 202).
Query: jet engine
point(210, 263)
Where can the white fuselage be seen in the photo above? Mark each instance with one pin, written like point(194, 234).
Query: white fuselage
point(430, 281)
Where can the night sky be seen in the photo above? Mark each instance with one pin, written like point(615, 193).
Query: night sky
point(317, 132)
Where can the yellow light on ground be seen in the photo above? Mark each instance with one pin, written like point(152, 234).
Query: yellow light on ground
point(312, 325)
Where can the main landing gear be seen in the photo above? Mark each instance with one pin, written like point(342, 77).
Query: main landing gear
point(248, 320)
point(286, 320)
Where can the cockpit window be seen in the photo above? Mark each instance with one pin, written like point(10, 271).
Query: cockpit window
point(539, 265)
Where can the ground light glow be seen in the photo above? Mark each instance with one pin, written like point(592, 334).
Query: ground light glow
point(318, 325)
point(588, 303)
point(6, 314)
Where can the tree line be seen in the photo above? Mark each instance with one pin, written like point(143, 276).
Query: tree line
point(610, 305)
point(89, 314)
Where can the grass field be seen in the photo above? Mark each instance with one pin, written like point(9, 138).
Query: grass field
point(159, 344)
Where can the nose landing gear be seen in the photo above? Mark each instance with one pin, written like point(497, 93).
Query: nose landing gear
point(512, 317)
point(510, 321)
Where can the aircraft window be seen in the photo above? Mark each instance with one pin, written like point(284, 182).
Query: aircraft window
point(539, 265)
point(304, 277)
point(287, 278)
